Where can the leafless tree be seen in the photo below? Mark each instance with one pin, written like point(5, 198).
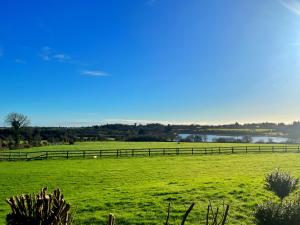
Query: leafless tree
point(17, 121)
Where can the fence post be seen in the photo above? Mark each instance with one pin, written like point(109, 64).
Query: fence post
point(232, 151)
point(246, 149)
point(298, 149)
point(149, 151)
point(205, 150)
point(259, 149)
point(100, 153)
point(67, 154)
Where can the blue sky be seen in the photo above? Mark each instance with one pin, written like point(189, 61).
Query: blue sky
point(173, 61)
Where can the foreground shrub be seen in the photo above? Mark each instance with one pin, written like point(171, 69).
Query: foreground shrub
point(281, 183)
point(216, 217)
point(271, 213)
point(213, 216)
point(41, 209)
point(285, 212)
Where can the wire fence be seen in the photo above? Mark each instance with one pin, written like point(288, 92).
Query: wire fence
point(141, 152)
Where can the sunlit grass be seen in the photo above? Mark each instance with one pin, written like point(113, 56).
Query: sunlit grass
point(132, 145)
point(138, 190)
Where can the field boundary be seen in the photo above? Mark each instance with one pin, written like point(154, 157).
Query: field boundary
point(142, 152)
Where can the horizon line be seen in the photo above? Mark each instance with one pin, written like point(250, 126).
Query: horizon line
point(74, 124)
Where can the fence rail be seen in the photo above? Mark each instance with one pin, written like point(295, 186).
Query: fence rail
point(116, 153)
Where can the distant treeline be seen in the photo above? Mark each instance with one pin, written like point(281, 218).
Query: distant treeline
point(150, 132)
point(34, 136)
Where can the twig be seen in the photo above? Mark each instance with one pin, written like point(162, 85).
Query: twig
point(225, 215)
point(111, 219)
point(168, 216)
point(207, 214)
point(187, 213)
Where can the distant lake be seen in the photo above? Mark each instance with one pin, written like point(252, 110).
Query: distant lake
point(212, 138)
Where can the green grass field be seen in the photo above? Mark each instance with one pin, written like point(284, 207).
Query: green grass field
point(138, 190)
point(131, 145)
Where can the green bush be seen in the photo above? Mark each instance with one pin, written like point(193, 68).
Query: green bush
point(26, 145)
point(271, 213)
point(44, 143)
point(285, 212)
point(281, 183)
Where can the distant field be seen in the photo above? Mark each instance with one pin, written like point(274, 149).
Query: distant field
point(132, 145)
point(138, 190)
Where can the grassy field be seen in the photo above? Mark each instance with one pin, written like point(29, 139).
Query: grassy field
point(131, 145)
point(138, 190)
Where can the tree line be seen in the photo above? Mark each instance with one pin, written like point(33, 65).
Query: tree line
point(19, 134)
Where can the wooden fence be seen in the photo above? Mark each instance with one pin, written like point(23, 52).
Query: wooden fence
point(116, 153)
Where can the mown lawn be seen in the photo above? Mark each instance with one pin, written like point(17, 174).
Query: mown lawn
point(138, 190)
point(129, 145)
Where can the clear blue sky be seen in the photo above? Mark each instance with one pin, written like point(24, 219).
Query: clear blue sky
point(181, 61)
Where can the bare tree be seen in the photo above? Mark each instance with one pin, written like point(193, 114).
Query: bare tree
point(17, 121)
